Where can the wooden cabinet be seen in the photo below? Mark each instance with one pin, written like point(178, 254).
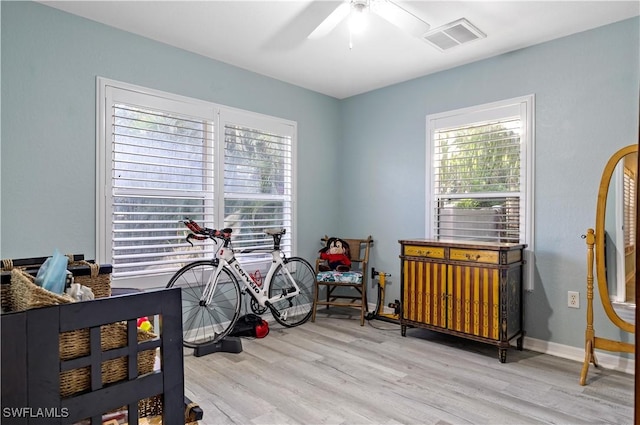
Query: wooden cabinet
point(470, 289)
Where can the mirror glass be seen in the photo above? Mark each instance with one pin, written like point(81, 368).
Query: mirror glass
point(620, 242)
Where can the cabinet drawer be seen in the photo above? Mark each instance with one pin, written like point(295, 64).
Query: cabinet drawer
point(475, 255)
point(424, 251)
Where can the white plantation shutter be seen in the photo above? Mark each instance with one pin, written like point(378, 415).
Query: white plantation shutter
point(477, 175)
point(480, 175)
point(158, 167)
point(162, 158)
point(629, 205)
point(257, 185)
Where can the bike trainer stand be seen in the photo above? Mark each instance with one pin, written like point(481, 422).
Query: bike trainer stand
point(379, 313)
point(230, 344)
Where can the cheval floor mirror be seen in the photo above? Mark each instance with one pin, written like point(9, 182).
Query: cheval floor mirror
point(615, 256)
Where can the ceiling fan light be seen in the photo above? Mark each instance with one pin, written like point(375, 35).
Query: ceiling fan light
point(357, 20)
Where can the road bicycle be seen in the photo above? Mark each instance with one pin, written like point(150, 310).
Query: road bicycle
point(212, 289)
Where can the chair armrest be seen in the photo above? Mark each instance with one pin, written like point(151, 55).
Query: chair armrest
point(362, 265)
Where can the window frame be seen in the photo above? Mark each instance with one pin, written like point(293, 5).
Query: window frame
point(524, 106)
point(215, 113)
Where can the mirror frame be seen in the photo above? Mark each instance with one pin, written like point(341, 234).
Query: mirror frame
point(601, 272)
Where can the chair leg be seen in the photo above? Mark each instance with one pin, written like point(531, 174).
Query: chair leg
point(363, 307)
point(329, 289)
point(315, 303)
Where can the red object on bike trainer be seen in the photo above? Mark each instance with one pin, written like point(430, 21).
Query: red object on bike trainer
point(262, 329)
point(250, 325)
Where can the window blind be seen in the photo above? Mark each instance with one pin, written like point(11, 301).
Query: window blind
point(629, 227)
point(162, 168)
point(162, 157)
point(257, 185)
point(477, 181)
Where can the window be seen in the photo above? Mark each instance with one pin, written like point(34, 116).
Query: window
point(480, 174)
point(162, 158)
point(258, 181)
point(621, 229)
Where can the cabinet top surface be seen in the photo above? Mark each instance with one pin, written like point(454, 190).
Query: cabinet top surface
point(463, 244)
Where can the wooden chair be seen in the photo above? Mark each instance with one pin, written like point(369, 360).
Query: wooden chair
point(353, 282)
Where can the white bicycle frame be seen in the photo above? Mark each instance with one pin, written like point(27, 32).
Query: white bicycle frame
point(226, 258)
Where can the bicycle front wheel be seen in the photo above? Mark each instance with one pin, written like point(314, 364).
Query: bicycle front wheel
point(202, 322)
point(295, 310)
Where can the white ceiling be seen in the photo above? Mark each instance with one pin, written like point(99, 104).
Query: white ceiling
point(270, 36)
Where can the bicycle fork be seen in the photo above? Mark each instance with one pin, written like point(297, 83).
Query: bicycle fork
point(210, 287)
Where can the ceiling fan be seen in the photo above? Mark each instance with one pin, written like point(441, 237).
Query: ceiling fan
point(357, 10)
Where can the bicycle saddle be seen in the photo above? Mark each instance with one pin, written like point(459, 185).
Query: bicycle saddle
point(273, 232)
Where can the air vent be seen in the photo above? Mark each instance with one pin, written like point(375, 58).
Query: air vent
point(453, 34)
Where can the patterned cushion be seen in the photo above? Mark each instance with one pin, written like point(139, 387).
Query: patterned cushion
point(334, 276)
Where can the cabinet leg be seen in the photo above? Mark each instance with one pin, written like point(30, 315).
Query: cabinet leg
point(502, 354)
point(403, 330)
point(519, 342)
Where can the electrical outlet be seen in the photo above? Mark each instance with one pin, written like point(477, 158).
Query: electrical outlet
point(573, 299)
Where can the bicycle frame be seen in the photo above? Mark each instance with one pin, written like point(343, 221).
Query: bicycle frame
point(225, 257)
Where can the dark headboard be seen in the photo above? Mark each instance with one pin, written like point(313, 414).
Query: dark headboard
point(31, 365)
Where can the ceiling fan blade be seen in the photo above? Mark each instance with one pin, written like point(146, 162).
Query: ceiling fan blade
point(330, 21)
point(400, 17)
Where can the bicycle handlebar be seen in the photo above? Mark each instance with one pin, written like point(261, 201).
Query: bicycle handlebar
point(202, 233)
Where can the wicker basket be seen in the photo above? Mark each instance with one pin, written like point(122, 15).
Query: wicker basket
point(25, 295)
point(113, 335)
point(6, 293)
point(6, 300)
point(87, 273)
point(150, 411)
point(100, 283)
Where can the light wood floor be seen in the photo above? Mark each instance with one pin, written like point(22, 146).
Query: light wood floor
point(334, 371)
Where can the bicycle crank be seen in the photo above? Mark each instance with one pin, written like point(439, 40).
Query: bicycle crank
point(257, 308)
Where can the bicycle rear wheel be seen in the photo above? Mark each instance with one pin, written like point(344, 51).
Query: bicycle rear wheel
point(297, 309)
point(206, 323)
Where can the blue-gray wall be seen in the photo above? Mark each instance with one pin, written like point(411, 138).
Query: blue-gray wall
point(586, 88)
point(50, 60)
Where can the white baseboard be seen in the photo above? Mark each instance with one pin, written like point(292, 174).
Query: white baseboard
point(605, 360)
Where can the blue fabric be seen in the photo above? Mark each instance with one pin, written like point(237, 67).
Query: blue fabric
point(334, 276)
